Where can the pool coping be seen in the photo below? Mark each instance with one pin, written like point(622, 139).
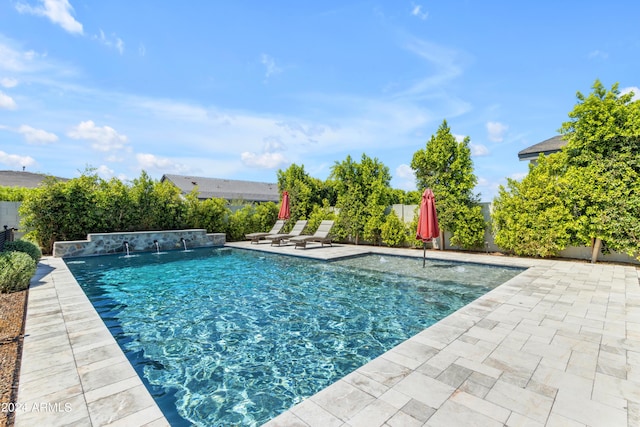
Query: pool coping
point(557, 344)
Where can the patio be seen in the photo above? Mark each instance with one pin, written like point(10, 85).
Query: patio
point(557, 345)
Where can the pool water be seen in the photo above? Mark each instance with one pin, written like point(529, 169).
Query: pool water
point(234, 337)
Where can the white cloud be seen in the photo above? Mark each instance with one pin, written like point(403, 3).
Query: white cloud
point(496, 131)
point(518, 176)
point(405, 178)
point(104, 172)
point(37, 136)
point(270, 65)
point(14, 160)
point(634, 89)
point(447, 64)
point(598, 54)
point(273, 144)
point(14, 60)
point(150, 162)
point(264, 160)
point(7, 102)
point(478, 150)
point(405, 172)
point(8, 82)
point(418, 12)
point(104, 138)
point(114, 41)
point(58, 11)
point(115, 159)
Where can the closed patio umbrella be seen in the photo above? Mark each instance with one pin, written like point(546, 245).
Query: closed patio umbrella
point(284, 212)
point(427, 221)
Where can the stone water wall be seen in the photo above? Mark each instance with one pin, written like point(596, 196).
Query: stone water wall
point(139, 241)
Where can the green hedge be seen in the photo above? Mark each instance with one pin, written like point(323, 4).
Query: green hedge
point(24, 246)
point(16, 270)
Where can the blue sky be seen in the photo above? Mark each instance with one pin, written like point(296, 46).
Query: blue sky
point(241, 89)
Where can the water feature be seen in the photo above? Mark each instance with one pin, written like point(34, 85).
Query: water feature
point(126, 246)
point(233, 337)
point(184, 244)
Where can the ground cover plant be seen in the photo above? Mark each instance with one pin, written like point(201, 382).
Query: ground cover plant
point(17, 267)
point(16, 270)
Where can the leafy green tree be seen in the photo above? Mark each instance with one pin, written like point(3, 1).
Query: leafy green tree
point(156, 205)
point(445, 166)
point(531, 217)
point(266, 215)
point(363, 195)
point(605, 202)
point(318, 215)
point(39, 212)
point(588, 191)
point(88, 204)
point(61, 210)
point(394, 232)
point(13, 194)
point(405, 197)
point(304, 191)
point(210, 214)
point(603, 124)
point(114, 209)
point(242, 222)
point(350, 200)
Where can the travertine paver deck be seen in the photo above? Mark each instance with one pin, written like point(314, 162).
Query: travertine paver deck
point(557, 345)
point(73, 371)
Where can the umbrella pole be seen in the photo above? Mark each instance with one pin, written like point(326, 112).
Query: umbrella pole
point(424, 253)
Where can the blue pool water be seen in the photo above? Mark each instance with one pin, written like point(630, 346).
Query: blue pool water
point(234, 337)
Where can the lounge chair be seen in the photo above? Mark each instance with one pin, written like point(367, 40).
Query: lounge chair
point(256, 237)
point(321, 235)
point(295, 231)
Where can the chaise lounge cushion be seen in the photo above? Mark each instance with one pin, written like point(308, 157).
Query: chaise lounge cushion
point(322, 236)
point(256, 237)
point(295, 231)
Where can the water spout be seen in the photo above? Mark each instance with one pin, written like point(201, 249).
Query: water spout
point(184, 243)
point(126, 246)
point(155, 242)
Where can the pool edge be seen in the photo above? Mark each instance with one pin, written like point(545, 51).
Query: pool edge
point(72, 369)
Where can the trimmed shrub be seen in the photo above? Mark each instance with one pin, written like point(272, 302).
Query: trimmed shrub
point(16, 270)
point(394, 231)
point(24, 246)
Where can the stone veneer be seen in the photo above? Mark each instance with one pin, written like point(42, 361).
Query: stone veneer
point(139, 241)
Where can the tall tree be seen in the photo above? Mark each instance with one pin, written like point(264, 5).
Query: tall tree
point(445, 166)
point(593, 186)
point(363, 195)
point(304, 191)
point(603, 166)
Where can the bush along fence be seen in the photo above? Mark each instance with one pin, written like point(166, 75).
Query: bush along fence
point(18, 263)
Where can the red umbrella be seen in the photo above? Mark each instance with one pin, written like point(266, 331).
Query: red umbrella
point(427, 221)
point(285, 212)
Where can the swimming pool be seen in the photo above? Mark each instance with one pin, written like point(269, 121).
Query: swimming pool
point(228, 336)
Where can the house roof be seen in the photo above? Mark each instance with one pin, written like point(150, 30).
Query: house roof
point(228, 189)
point(546, 147)
point(22, 179)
